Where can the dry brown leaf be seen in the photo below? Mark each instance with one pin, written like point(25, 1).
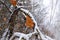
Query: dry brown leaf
point(0, 29)
point(13, 2)
point(29, 22)
point(4, 19)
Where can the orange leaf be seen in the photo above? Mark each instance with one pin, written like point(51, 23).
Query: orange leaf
point(13, 2)
point(29, 22)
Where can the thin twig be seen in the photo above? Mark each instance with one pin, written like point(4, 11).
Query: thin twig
point(6, 6)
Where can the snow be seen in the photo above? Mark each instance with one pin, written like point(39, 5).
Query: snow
point(4, 34)
point(51, 20)
point(27, 36)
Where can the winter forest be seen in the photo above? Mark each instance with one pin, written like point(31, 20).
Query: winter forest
point(29, 20)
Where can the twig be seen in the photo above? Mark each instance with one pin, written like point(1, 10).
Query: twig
point(6, 6)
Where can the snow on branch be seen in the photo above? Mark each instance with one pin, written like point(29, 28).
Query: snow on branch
point(36, 30)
